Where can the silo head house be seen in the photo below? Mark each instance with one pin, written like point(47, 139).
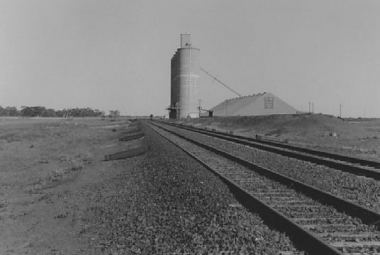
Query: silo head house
point(184, 98)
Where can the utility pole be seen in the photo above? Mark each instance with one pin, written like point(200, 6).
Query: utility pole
point(340, 110)
point(311, 107)
point(226, 107)
point(200, 107)
point(189, 88)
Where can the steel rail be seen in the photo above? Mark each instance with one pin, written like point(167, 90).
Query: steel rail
point(367, 215)
point(276, 218)
point(313, 156)
point(302, 238)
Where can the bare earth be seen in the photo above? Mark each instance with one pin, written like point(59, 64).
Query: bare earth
point(51, 170)
point(47, 170)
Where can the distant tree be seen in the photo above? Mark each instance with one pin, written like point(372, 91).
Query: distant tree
point(39, 110)
point(114, 113)
point(60, 113)
point(33, 111)
point(49, 113)
point(75, 112)
point(79, 112)
point(90, 112)
point(11, 111)
point(26, 111)
point(2, 111)
point(97, 113)
point(82, 112)
point(102, 115)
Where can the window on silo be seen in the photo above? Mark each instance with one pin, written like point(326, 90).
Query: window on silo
point(268, 102)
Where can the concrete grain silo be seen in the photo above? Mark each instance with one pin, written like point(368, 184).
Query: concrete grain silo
point(185, 70)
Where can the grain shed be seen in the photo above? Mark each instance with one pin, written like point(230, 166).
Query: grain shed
point(254, 105)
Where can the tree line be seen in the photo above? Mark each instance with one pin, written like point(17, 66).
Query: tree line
point(40, 111)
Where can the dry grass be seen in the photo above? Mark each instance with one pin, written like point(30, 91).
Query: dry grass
point(35, 152)
point(43, 162)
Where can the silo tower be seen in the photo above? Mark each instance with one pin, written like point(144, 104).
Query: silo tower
point(185, 81)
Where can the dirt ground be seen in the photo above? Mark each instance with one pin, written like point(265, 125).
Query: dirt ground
point(52, 169)
point(47, 168)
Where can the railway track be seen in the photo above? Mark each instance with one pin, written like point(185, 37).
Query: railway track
point(316, 221)
point(352, 165)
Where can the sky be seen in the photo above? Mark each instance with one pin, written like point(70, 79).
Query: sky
point(115, 54)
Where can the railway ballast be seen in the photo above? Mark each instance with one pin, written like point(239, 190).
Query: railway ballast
point(340, 226)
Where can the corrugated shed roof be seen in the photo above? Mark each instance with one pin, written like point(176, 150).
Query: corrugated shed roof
point(258, 104)
point(235, 104)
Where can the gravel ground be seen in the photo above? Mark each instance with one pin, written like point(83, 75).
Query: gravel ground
point(363, 191)
point(334, 221)
point(166, 203)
